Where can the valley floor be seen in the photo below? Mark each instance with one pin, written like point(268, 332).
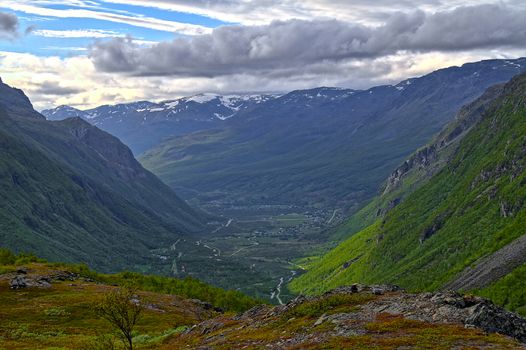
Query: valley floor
point(255, 251)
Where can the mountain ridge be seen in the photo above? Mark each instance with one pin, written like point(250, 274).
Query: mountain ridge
point(136, 121)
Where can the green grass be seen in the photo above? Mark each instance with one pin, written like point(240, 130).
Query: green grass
point(288, 220)
point(63, 317)
point(329, 305)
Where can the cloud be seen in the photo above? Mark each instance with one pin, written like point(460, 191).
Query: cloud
point(295, 46)
point(252, 12)
point(54, 88)
point(77, 33)
point(370, 44)
point(8, 26)
point(96, 12)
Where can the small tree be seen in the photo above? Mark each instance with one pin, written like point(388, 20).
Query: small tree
point(122, 309)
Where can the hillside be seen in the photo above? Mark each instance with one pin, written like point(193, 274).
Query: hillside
point(460, 229)
point(321, 148)
point(360, 317)
point(52, 306)
point(72, 192)
point(420, 166)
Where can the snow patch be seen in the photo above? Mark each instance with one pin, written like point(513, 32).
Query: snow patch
point(202, 98)
point(172, 104)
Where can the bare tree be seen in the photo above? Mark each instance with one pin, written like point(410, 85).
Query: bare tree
point(123, 309)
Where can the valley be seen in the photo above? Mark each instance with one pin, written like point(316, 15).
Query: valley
point(278, 174)
point(254, 251)
point(262, 175)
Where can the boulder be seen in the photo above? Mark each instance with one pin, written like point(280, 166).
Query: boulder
point(19, 282)
point(494, 319)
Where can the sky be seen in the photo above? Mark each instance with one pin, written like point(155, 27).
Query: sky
point(85, 53)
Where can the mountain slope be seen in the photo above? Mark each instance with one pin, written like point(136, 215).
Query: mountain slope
point(72, 192)
point(470, 209)
point(420, 166)
point(360, 317)
point(324, 147)
point(52, 306)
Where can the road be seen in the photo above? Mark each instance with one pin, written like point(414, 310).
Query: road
point(333, 216)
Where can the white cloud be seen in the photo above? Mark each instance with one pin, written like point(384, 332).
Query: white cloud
point(269, 58)
point(265, 11)
point(79, 33)
point(33, 8)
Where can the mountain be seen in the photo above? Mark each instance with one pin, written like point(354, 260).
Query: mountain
point(72, 192)
point(420, 166)
point(142, 125)
point(326, 147)
point(461, 226)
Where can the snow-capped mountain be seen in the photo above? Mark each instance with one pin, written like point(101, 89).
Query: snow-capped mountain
point(144, 124)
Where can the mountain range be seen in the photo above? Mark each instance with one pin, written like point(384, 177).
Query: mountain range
point(143, 125)
point(324, 147)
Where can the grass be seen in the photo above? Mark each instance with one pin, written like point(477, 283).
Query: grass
point(509, 291)
point(63, 317)
point(189, 288)
point(288, 220)
point(329, 305)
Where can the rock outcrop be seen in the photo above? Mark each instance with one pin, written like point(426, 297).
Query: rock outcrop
point(359, 316)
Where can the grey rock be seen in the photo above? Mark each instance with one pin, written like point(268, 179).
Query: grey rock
point(378, 291)
point(19, 282)
point(494, 319)
point(320, 320)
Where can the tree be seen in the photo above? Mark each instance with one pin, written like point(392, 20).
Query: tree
point(123, 309)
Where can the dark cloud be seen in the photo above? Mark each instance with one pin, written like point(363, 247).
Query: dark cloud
point(53, 88)
point(295, 45)
point(8, 26)
point(30, 29)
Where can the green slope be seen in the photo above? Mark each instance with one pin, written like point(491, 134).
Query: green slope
point(420, 166)
point(470, 208)
point(71, 192)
